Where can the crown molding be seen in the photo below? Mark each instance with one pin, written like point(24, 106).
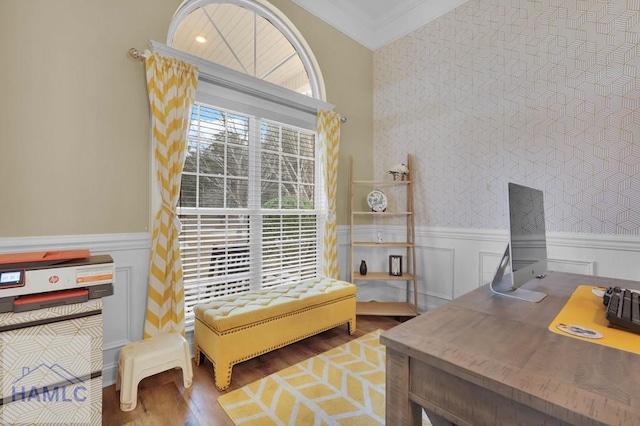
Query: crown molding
point(410, 17)
point(374, 32)
point(344, 17)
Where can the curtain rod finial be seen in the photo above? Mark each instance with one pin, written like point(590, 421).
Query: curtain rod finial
point(136, 54)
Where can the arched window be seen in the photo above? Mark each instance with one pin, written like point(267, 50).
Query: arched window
point(251, 198)
point(250, 37)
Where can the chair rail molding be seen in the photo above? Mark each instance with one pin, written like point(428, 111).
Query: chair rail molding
point(458, 260)
point(93, 242)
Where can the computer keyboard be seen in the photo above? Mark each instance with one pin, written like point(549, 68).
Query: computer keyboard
point(623, 309)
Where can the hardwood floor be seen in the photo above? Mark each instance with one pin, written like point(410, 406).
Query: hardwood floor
point(163, 400)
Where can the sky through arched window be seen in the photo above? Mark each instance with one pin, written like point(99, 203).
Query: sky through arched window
point(241, 38)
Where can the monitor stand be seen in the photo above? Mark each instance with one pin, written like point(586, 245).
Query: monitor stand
point(503, 284)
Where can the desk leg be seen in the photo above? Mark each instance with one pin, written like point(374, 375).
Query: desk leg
point(399, 409)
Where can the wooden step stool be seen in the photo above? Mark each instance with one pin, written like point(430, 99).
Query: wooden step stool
point(148, 357)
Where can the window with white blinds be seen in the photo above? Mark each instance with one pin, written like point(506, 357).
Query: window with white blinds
point(249, 205)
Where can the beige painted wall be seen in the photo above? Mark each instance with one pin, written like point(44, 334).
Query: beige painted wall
point(347, 68)
point(74, 126)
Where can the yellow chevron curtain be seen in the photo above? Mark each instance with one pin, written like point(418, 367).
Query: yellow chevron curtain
point(171, 84)
point(329, 141)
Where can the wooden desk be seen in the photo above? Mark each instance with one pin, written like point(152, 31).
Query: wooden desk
point(484, 359)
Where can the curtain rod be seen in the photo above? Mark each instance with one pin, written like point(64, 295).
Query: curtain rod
point(141, 56)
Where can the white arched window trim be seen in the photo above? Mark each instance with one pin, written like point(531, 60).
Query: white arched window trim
point(278, 19)
point(293, 103)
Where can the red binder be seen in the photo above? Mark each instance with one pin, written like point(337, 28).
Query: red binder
point(43, 256)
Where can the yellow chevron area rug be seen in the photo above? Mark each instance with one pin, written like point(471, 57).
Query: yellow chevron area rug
point(343, 386)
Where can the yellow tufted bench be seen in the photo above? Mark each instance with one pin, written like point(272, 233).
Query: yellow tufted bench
point(236, 328)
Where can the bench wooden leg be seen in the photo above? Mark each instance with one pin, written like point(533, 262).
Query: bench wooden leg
point(222, 375)
point(198, 356)
point(351, 326)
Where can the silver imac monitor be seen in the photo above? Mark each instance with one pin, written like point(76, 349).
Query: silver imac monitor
point(526, 254)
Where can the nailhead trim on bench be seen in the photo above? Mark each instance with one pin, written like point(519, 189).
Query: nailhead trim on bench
point(233, 363)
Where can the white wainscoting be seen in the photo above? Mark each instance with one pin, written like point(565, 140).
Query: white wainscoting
point(451, 262)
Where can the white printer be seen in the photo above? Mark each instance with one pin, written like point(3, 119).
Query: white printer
point(38, 280)
point(51, 335)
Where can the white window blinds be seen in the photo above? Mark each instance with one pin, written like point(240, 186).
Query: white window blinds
point(249, 205)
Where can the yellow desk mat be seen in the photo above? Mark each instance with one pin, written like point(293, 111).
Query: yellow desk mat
point(586, 309)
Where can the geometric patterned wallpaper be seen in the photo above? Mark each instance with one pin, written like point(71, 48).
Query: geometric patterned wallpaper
point(541, 93)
